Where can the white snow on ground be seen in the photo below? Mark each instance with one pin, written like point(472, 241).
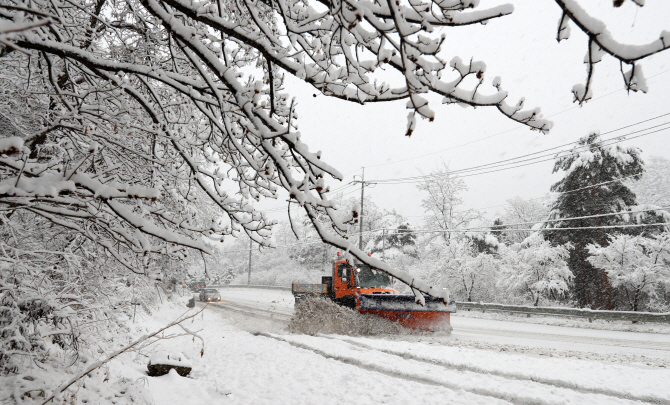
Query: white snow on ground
point(279, 300)
point(562, 338)
point(518, 390)
point(638, 382)
point(254, 360)
point(174, 389)
point(172, 359)
point(523, 337)
point(243, 368)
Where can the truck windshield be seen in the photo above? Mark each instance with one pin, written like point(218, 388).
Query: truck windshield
point(369, 278)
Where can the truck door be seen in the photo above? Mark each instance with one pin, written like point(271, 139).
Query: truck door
point(344, 285)
point(343, 281)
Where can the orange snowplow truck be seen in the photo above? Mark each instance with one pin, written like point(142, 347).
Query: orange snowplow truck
point(370, 291)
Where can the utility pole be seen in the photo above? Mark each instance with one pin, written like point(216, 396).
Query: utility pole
point(251, 241)
point(384, 244)
point(360, 240)
point(360, 214)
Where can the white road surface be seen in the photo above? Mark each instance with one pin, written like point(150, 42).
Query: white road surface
point(482, 361)
point(561, 338)
point(279, 304)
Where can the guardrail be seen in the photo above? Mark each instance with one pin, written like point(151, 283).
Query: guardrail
point(589, 314)
point(585, 313)
point(260, 287)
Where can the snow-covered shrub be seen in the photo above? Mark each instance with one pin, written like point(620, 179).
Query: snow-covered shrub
point(61, 306)
point(660, 301)
point(98, 387)
point(458, 265)
point(635, 264)
point(28, 318)
point(46, 303)
point(535, 268)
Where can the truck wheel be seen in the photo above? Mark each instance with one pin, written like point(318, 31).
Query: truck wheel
point(347, 302)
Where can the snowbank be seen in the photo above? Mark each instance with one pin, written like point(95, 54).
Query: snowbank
point(174, 359)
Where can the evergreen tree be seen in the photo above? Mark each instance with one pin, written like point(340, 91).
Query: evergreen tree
point(402, 238)
point(590, 187)
point(483, 242)
point(498, 230)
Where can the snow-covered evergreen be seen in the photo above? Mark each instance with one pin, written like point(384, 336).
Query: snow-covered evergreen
point(594, 186)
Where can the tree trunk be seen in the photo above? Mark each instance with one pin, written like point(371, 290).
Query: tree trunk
point(606, 291)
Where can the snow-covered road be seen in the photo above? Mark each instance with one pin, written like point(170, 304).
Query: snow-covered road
point(500, 335)
point(563, 338)
point(249, 354)
point(250, 357)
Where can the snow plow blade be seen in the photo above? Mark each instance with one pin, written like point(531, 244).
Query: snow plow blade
point(435, 316)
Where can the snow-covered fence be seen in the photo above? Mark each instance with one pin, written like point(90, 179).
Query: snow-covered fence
point(590, 314)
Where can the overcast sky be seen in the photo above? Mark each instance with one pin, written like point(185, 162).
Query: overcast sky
point(522, 49)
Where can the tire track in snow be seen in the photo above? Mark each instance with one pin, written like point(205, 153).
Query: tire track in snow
point(510, 375)
point(520, 392)
point(381, 370)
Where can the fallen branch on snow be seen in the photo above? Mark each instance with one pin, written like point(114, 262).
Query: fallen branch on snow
point(118, 352)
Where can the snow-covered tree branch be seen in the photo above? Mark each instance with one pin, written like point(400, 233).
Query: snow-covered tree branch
point(601, 42)
point(163, 121)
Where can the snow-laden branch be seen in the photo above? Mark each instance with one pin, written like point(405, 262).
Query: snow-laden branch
point(601, 41)
point(162, 123)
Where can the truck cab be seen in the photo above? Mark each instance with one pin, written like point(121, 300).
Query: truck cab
point(351, 280)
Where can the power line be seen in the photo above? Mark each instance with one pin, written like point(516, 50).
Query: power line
point(297, 243)
point(548, 197)
point(567, 192)
point(349, 184)
point(509, 130)
point(474, 230)
point(281, 208)
point(347, 193)
point(606, 142)
point(561, 193)
point(576, 218)
point(666, 224)
point(500, 165)
point(416, 179)
point(494, 164)
point(489, 228)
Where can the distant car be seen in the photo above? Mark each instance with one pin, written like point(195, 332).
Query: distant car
point(209, 294)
